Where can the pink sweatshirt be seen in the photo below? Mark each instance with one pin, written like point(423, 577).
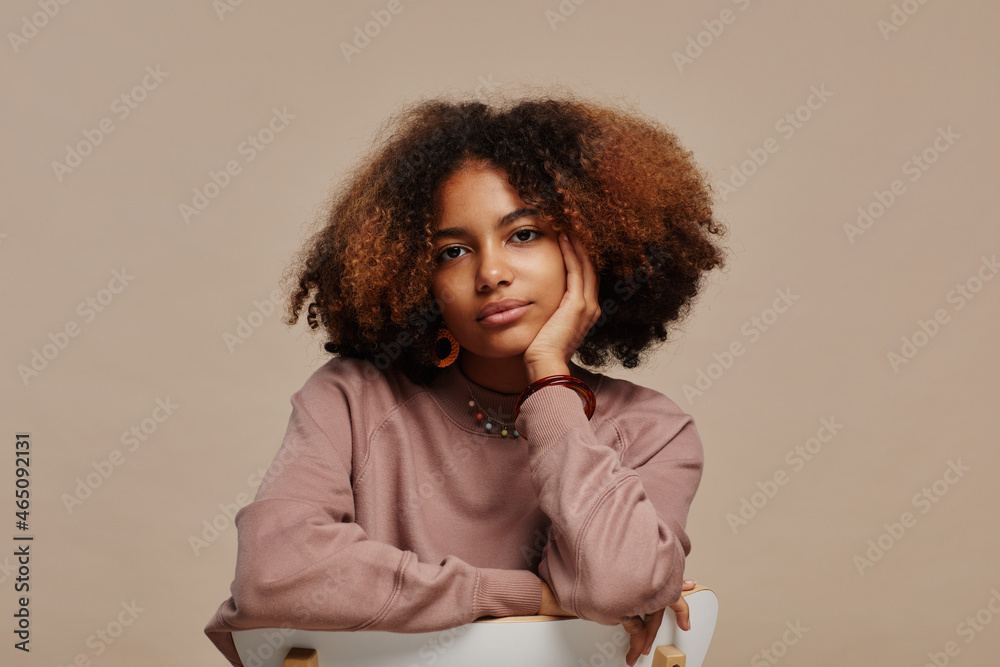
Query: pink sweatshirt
point(389, 507)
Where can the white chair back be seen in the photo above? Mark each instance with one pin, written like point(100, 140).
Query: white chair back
point(502, 642)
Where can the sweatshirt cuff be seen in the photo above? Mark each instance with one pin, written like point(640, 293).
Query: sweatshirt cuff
point(219, 632)
point(507, 593)
point(547, 415)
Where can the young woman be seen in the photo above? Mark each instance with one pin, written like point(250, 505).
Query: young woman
point(452, 461)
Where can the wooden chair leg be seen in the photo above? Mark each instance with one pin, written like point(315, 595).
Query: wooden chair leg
point(668, 656)
point(302, 657)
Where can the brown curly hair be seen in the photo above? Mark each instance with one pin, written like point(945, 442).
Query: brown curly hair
point(619, 181)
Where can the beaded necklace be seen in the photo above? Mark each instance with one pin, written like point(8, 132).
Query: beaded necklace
point(485, 420)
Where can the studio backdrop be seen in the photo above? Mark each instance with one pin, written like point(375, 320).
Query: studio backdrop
point(162, 162)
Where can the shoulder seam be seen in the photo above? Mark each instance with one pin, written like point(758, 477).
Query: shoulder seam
point(370, 437)
point(393, 596)
point(586, 527)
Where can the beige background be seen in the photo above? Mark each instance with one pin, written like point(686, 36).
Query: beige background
point(163, 335)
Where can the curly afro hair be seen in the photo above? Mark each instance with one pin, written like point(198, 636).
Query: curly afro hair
point(619, 181)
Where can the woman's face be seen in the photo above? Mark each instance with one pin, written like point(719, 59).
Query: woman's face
point(489, 247)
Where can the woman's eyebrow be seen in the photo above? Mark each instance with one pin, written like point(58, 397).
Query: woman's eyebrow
point(501, 223)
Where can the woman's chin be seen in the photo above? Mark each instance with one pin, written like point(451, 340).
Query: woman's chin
point(497, 353)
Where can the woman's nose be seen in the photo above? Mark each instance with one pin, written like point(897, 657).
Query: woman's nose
point(494, 269)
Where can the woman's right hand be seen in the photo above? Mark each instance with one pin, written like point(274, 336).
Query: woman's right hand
point(549, 606)
point(643, 630)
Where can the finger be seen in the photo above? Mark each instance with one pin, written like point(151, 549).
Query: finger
point(689, 584)
point(633, 624)
point(653, 622)
point(589, 282)
point(683, 614)
point(591, 279)
point(635, 648)
point(574, 269)
point(576, 298)
point(637, 641)
point(587, 270)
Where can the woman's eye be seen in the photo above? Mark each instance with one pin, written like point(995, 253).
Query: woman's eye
point(450, 253)
point(519, 232)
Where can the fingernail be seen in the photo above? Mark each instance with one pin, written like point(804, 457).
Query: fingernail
point(690, 581)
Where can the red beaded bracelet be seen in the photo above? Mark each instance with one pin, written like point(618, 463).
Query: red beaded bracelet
point(576, 384)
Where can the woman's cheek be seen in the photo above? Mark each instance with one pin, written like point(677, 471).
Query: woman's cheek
point(444, 291)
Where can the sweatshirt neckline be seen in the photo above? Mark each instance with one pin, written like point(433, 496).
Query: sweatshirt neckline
point(453, 390)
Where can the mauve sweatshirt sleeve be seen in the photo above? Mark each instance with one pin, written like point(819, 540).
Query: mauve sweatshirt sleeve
point(617, 543)
point(303, 562)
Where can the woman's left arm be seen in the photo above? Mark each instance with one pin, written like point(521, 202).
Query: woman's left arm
point(617, 544)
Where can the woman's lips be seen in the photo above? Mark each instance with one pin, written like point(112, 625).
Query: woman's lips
point(505, 316)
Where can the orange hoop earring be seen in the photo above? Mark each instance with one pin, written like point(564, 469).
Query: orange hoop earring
point(453, 349)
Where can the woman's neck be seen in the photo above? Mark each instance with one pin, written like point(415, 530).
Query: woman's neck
point(507, 374)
